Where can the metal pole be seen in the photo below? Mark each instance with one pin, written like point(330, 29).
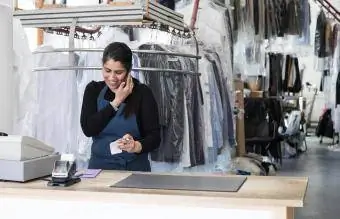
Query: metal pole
point(134, 51)
point(194, 14)
point(72, 68)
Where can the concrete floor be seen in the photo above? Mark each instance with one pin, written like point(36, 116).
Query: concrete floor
point(322, 166)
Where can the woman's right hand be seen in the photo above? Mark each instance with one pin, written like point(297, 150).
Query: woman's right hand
point(123, 91)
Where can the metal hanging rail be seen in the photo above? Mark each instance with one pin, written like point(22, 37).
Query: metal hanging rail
point(146, 14)
point(325, 4)
point(134, 51)
point(74, 68)
point(135, 15)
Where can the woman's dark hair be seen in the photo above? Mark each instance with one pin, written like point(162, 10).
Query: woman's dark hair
point(121, 52)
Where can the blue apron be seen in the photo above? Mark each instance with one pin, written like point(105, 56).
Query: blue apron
point(101, 157)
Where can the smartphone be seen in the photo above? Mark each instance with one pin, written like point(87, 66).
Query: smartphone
point(127, 77)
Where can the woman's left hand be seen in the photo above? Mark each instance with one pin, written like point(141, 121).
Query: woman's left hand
point(128, 144)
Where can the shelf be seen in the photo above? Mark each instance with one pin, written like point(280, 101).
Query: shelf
point(113, 15)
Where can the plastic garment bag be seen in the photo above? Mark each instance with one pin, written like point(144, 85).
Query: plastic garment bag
point(292, 123)
point(26, 83)
point(195, 116)
point(334, 71)
point(168, 90)
point(320, 41)
point(213, 111)
point(320, 46)
point(208, 112)
point(228, 125)
point(55, 113)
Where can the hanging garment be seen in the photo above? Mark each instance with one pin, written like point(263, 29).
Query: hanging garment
point(250, 12)
point(279, 13)
point(275, 76)
point(337, 91)
point(185, 158)
point(325, 125)
point(305, 21)
point(194, 111)
point(325, 73)
point(222, 82)
point(228, 43)
point(334, 72)
point(209, 142)
point(135, 73)
point(327, 85)
point(270, 28)
point(26, 83)
point(293, 18)
point(292, 80)
point(213, 111)
point(336, 119)
point(117, 127)
point(256, 16)
point(56, 116)
point(334, 42)
point(236, 15)
point(213, 31)
point(328, 37)
point(262, 19)
point(195, 117)
point(168, 89)
point(320, 36)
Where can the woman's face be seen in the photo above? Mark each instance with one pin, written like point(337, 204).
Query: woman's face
point(114, 73)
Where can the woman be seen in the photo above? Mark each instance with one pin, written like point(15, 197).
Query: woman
point(120, 112)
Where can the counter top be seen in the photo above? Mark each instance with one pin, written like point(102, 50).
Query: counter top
point(257, 190)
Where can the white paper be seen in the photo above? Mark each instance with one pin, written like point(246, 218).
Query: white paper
point(114, 148)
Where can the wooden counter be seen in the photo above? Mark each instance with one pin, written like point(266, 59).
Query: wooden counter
point(259, 197)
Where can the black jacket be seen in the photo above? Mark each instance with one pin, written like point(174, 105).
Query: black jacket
point(320, 36)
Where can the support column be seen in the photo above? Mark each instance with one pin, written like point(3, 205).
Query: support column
point(240, 135)
point(6, 67)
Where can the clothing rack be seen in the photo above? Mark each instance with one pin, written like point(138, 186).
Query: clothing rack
point(70, 68)
point(325, 4)
point(66, 68)
point(148, 14)
point(134, 51)
point(135, 15)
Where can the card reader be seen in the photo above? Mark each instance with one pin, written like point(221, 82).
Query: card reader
point(64, 171)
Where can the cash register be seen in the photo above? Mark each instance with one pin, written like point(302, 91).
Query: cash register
point(24, 158)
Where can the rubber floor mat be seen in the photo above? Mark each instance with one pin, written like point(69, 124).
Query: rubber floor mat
point(178, 182)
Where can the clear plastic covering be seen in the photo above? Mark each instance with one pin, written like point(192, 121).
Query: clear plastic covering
point(292, 123)
point(26, 81)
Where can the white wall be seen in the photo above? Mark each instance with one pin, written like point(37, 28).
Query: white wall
point(6, 60)
point(7, 2)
